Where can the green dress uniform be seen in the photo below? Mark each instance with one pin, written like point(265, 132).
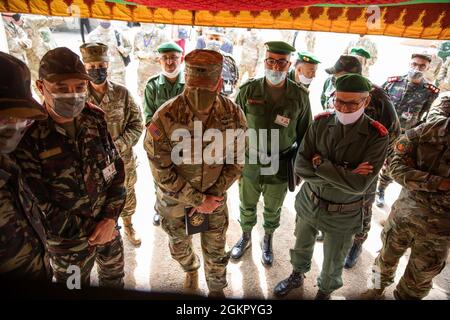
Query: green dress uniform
point(263, 113)
point(158, 91)
point(332, 197)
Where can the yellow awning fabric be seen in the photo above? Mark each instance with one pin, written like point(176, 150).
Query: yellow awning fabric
point(425, 21)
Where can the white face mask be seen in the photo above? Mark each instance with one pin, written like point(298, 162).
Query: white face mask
point(11, 134)
point(349, 118)
point(172, 74)
point(305, 80)
point(275, 77)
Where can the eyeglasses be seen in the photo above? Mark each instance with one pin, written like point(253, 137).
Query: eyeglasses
point(282, 63)
point(419, 66)
point(171, 58)
point(349, 105)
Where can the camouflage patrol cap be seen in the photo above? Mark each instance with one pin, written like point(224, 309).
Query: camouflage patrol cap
point(347, 63)
point(16, 99)
point(353, 82)
point(203, 68)
point(360, 52)
point(94, 52)
point(61, 64)
point(424, 56)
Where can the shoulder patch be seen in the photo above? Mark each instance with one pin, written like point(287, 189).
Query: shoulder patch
point(380, 128)
point(394, 79)
point(403, 146)
point(432, 88)
point(154, 131)
point(321, 115)
point(94, 108)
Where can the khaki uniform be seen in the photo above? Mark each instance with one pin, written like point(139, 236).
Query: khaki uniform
point(18, 41)
point(252, 53)
point(124, 122)
point(443, 77)
point(186, 185)
point(369, 46)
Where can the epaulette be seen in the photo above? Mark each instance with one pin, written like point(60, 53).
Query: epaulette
point(432, 88)
point(380, 128)
point(394, 79)
point(321, 115)
point(94, 108)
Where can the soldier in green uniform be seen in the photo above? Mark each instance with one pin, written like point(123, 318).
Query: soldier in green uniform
point(165, 86)
point(22, 236)
point(123, 118)
point(345, 64)
point(76, 173)
point(186, 186)
point(363, 57)
point(412, 97)
point(339, 160)
point(419, 219)
point(272, 104)
point(305, 68)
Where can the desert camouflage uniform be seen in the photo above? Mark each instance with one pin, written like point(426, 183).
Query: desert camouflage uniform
point(440, 107)
point(18, 41)
point(22, 235)
point(145, 45)
point(252, 54)
point(419, 219)
point(68, 177)
point(444, 76)
point(116, 68)
point(432, 73)
point(124, 121)
point(412, 102)
point(186, 185)
point(369, 46)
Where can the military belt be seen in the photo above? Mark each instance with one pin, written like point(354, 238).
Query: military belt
point(336, 207)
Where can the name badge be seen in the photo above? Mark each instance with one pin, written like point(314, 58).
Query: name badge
point(282, 121)
point(109, 172)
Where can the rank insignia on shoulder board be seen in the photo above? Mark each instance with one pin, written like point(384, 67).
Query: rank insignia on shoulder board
point(432, 88)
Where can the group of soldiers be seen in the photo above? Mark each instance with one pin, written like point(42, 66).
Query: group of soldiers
point(68, 169)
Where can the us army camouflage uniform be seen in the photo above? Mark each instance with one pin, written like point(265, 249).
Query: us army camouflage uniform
point(382, 110)
point(18, 41)
point(252, 54)
point(370, 46)
point(444, 76)
point(186, 185)
point(68, 178)
point(124, 121)
point(22, 235)
point(412, 102)
point(116, 68)
point(145, 45)
point(431, 75)
point(419, 219)
point(440, 107)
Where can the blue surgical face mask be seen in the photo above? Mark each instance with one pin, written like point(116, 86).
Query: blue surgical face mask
point(275, 77)
point(105, 25)
point(213, 45)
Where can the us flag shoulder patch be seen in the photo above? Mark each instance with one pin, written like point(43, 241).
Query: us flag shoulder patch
point(154, 131)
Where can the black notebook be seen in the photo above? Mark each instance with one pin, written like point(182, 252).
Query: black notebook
point(198, 222)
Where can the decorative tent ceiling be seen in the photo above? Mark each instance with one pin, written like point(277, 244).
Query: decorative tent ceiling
point(426, 19)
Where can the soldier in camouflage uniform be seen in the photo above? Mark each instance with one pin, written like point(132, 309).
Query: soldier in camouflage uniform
point(252, 53)
point(191, 186)
point(412, 97)
point(443, 77)
point(124, 121)
point(367, 44)
point(38, 30)
point(163, 87)
point(146, 43)
point(119, 47)
point(440, 107)
point(18, 41)
point(419, 219)
point(22, 235)
point(73, 167)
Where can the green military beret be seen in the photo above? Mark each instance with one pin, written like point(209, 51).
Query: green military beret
point(279, 47)
point(360, 52)
point(169, 46)
point(353, 82)
point(307, 57)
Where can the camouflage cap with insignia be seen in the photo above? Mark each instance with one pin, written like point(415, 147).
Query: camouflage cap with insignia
point(16, 99)
point(347, 63)
point(203, 68)
point(424, 56)
point(307, 57)
point(61, 64)
point(94, 52)
point(279, 47)
point(168, 47)
point(360, 52)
